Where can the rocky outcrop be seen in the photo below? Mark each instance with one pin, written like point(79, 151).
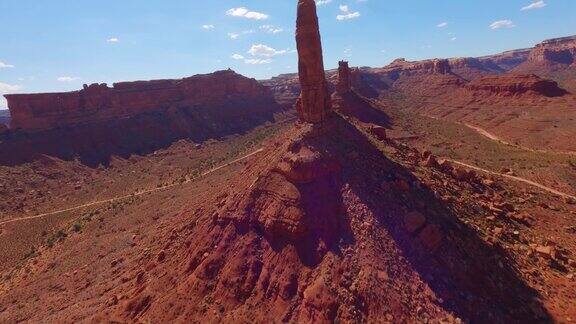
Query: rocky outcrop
point(344, 78)
point(517, 84)
point(505, 61)
point(98, 102)
point(99, 122)
point(406, 68)
point(313, 105)
point(555, 51)
point(472, 68)
point(285, 89)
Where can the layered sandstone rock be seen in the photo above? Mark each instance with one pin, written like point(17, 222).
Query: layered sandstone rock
point(313, 105)
point(99, 122)
point(506, 60)
point(98, 102)
point(344, 78)
point(555, 51)
point(517, 84)
point(403, 67)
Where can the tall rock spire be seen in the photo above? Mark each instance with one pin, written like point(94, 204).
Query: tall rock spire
point(344, 78)
point(314, 105)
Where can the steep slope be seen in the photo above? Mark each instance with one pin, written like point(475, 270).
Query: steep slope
point(320, 227)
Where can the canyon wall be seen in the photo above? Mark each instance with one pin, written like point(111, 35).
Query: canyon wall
point(401, 67)
point(98, 102)
point(555, 51)
point(516, 84)
point(99, 122)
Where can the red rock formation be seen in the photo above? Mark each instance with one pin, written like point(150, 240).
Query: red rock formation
point(98, 102)
point(516, 84)
point(403, 67)
point(344, 78)
point(314, 105)
point(555, 51)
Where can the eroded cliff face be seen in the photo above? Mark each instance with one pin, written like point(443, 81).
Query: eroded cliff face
point(98, 102)
point(555, 51)
point(517, 84)
point(99, 122)
point(401, 67)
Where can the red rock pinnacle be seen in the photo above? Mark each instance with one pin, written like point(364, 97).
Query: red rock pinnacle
point(314, 104)
point(344, 78)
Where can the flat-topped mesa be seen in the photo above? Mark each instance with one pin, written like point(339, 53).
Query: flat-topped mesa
point(99, 102)
point(516, 85)
point(344, 84)
point(555, 51)
point(434, 66)
point(314, 104)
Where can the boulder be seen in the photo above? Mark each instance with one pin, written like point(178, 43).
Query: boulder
point(414, 221)
point(303, 164)
point(431, 162)
point(431, 237)
point(379, 132)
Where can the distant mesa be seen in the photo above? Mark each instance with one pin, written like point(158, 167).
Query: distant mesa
point(405, 68)
point(517, 84)
point(98, 102)
point(139, 117)
point(555, 51)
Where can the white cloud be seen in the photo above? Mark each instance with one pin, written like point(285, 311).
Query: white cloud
point(113, 40)
point(271, 29)
point(67, 79)
point(233, 35)
point(442, 24)
point(346, 14)
point(453, 39)
point(264, 51)
point(245, 13)
point(6, 88)
point(208, 27)
point(237, 57)
point(258, 61)
point(502, 24)
point(5, 65)
point(322, 2)
point(534, 5)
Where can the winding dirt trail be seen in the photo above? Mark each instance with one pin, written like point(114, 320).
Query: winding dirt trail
point(515, 178)
point(495, 138)
point(136, 194)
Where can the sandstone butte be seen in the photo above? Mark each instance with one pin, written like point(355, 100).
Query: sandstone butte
point(99, 102)
point(314, 104)
point(344, 84)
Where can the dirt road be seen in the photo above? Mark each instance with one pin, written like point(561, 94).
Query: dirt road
point(136, 194)
point(516, 178)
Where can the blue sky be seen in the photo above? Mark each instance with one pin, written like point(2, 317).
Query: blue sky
point(58, 45)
